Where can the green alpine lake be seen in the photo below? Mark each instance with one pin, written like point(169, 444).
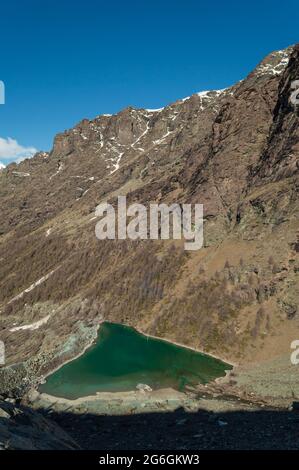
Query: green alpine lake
point(122, 358)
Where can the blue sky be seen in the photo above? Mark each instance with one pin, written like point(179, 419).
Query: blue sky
point(62, 61)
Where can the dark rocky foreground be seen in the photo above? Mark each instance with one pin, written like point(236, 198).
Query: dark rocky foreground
point(24, 429)
point(264, 429)
point(21, 428)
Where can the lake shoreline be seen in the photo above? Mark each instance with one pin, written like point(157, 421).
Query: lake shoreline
point(144, 335)
point(162, 393)
point(175, 343)
point(73, 358)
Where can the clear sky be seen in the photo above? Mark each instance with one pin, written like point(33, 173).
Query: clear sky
point(62, 61)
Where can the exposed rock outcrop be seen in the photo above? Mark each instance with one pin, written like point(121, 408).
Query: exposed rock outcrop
point(24, 429)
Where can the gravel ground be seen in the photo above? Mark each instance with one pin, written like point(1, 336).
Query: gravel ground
point(241, 426)
point(242, 429)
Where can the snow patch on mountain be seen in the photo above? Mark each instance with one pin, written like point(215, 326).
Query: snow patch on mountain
point(59, 169)
point(275, 63)
point(158, 110)
point(33, 286)
point(116, 163)
point(21, 174)
point(31, 326)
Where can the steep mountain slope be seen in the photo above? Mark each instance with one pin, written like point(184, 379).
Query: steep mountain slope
point(233, 150)
point(24, 429)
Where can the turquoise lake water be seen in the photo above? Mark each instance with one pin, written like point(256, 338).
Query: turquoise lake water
point(122, 358)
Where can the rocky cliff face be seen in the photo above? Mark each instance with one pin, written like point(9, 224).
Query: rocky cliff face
point(25, 429)
point(233, 150)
